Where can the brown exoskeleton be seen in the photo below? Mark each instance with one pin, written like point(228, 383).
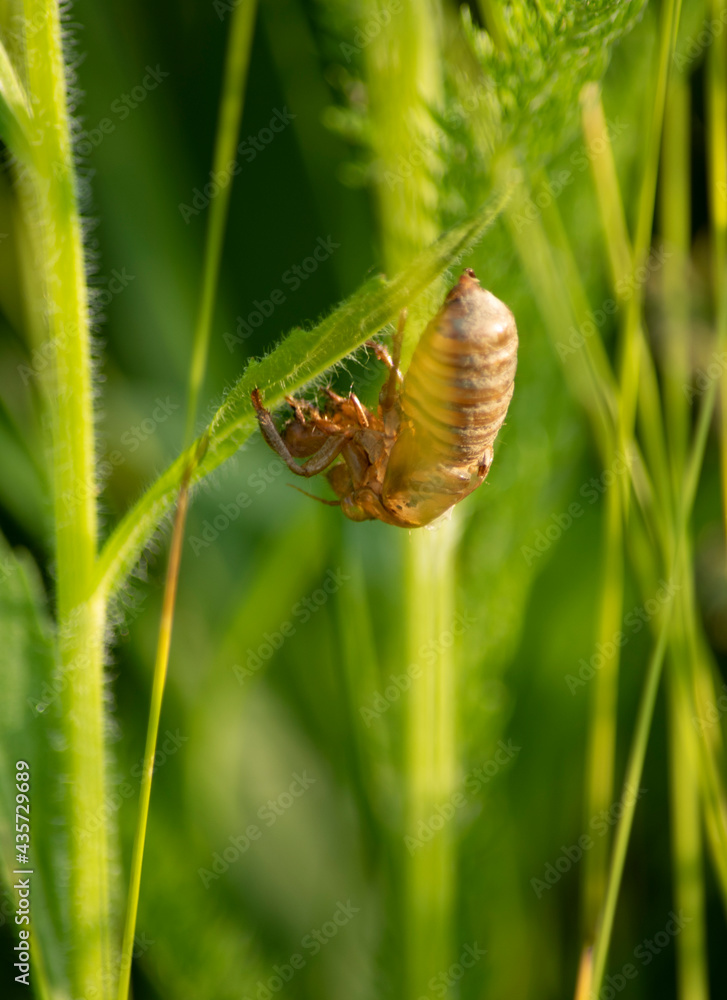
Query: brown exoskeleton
point(430, 443)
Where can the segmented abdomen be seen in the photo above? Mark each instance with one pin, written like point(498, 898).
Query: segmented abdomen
point(460, 381)
point(454, 401)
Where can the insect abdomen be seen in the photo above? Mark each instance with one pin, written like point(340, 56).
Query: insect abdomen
point(454, 401)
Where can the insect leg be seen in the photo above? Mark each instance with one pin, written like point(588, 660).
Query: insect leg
point(485, 462)
point(313, 465)
point(381, 353)
point(360, 411)
point(387, 398)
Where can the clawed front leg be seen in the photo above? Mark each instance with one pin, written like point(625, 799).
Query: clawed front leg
point(312, 466)
point(387, 397)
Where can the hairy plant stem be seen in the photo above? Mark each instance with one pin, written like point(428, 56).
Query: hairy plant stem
point(81, 612)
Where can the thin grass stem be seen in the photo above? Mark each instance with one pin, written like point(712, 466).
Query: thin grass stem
point(233, 91)
point(157, 694)
point(237, 63)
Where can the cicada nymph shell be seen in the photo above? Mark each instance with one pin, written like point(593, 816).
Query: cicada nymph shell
point(454, 401)
point(430, 443)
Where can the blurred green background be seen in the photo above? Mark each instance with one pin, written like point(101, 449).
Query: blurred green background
point(248, 709)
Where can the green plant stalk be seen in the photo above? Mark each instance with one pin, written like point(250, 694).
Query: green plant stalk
point(608, 191)
point(430, 761)
point(686, 842)
point(233, 96)
point(81, 613)
point(233, 93)
point(601, 750)
point(687, 851)
point(675, 219)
